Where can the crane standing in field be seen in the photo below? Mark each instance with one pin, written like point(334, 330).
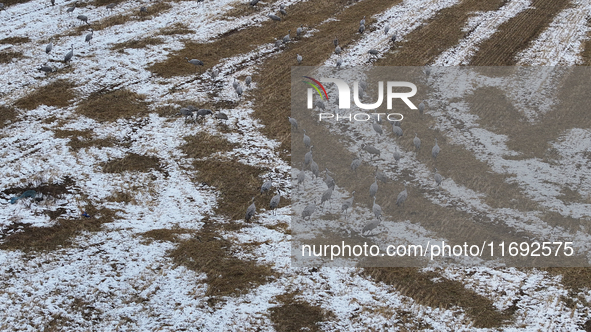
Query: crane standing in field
point(275, 202)
point(69, 55)
point(195, 62)
point(250, 211)
point(435, 151)
point(348, 204)
point(402, 196)
point(307, 140)
point(89, 36)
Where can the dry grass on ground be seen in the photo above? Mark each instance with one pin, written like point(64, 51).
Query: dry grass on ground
point(7, 57)
point(15, 40)
point(119, 19)
point(138, 43)
point(26, 238)
point(58, 93)
point(203, 144)
point(236, 183)
point(132, 162)
point(80, 139)
point(7, 114)
point(297, 315)
point(227, 275)
point(443, 293)
point(113, 105)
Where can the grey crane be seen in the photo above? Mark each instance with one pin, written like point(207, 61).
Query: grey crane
point(362, 22)
point(83, 18)
point(299, 58)
point(45, 69)
point(278, 43)
point(300, 30)
point(397, 130)
point(371, 225)
point(253, 3)
point(221, 116)
point(195, 62)
point(282, 10)
point(235, 84)
point(355, 164)
point(386, 29)
point(308, 156)
point(314, 168)
point(250, 211)
point(377, 210)
point(422, 107)
point(307, 139)
point(438, 177)
point(248, 80)
point(48, 48)
point(275, 202)
point(417, 142)
point(274, 17)
point(397, 155)
point(373, 189)
point(294, 122)
point(204, 112)
point(301, 176)
point(111, 6)
point(287, 38)
point(402, 196)
point(186, 112)
point(373, 52)
point(338, 50)
point(309, 210)
point(328, 179)
point(239, 90)
point(143, 10)
point(335, 42)
point(348, 203)
point(326, 195)
point(339, 62)
point(88, 37)
point(71, 9)
point(266, 187)
point(435, 150)
point(381, 176)
point(2, 7)
point(361, 28)
point(371, 150)
point(69, 55)
point(377, 128)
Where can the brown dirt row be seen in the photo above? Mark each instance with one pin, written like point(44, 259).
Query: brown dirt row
point(517, 33)
point(441, 294)
point(238, 41)
point(437, 35)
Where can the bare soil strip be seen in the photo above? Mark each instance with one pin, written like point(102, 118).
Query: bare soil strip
point(516, 34)
point(443, 294)
point(438, 34)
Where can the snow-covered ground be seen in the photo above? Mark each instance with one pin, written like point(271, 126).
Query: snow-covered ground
point(115, 280)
